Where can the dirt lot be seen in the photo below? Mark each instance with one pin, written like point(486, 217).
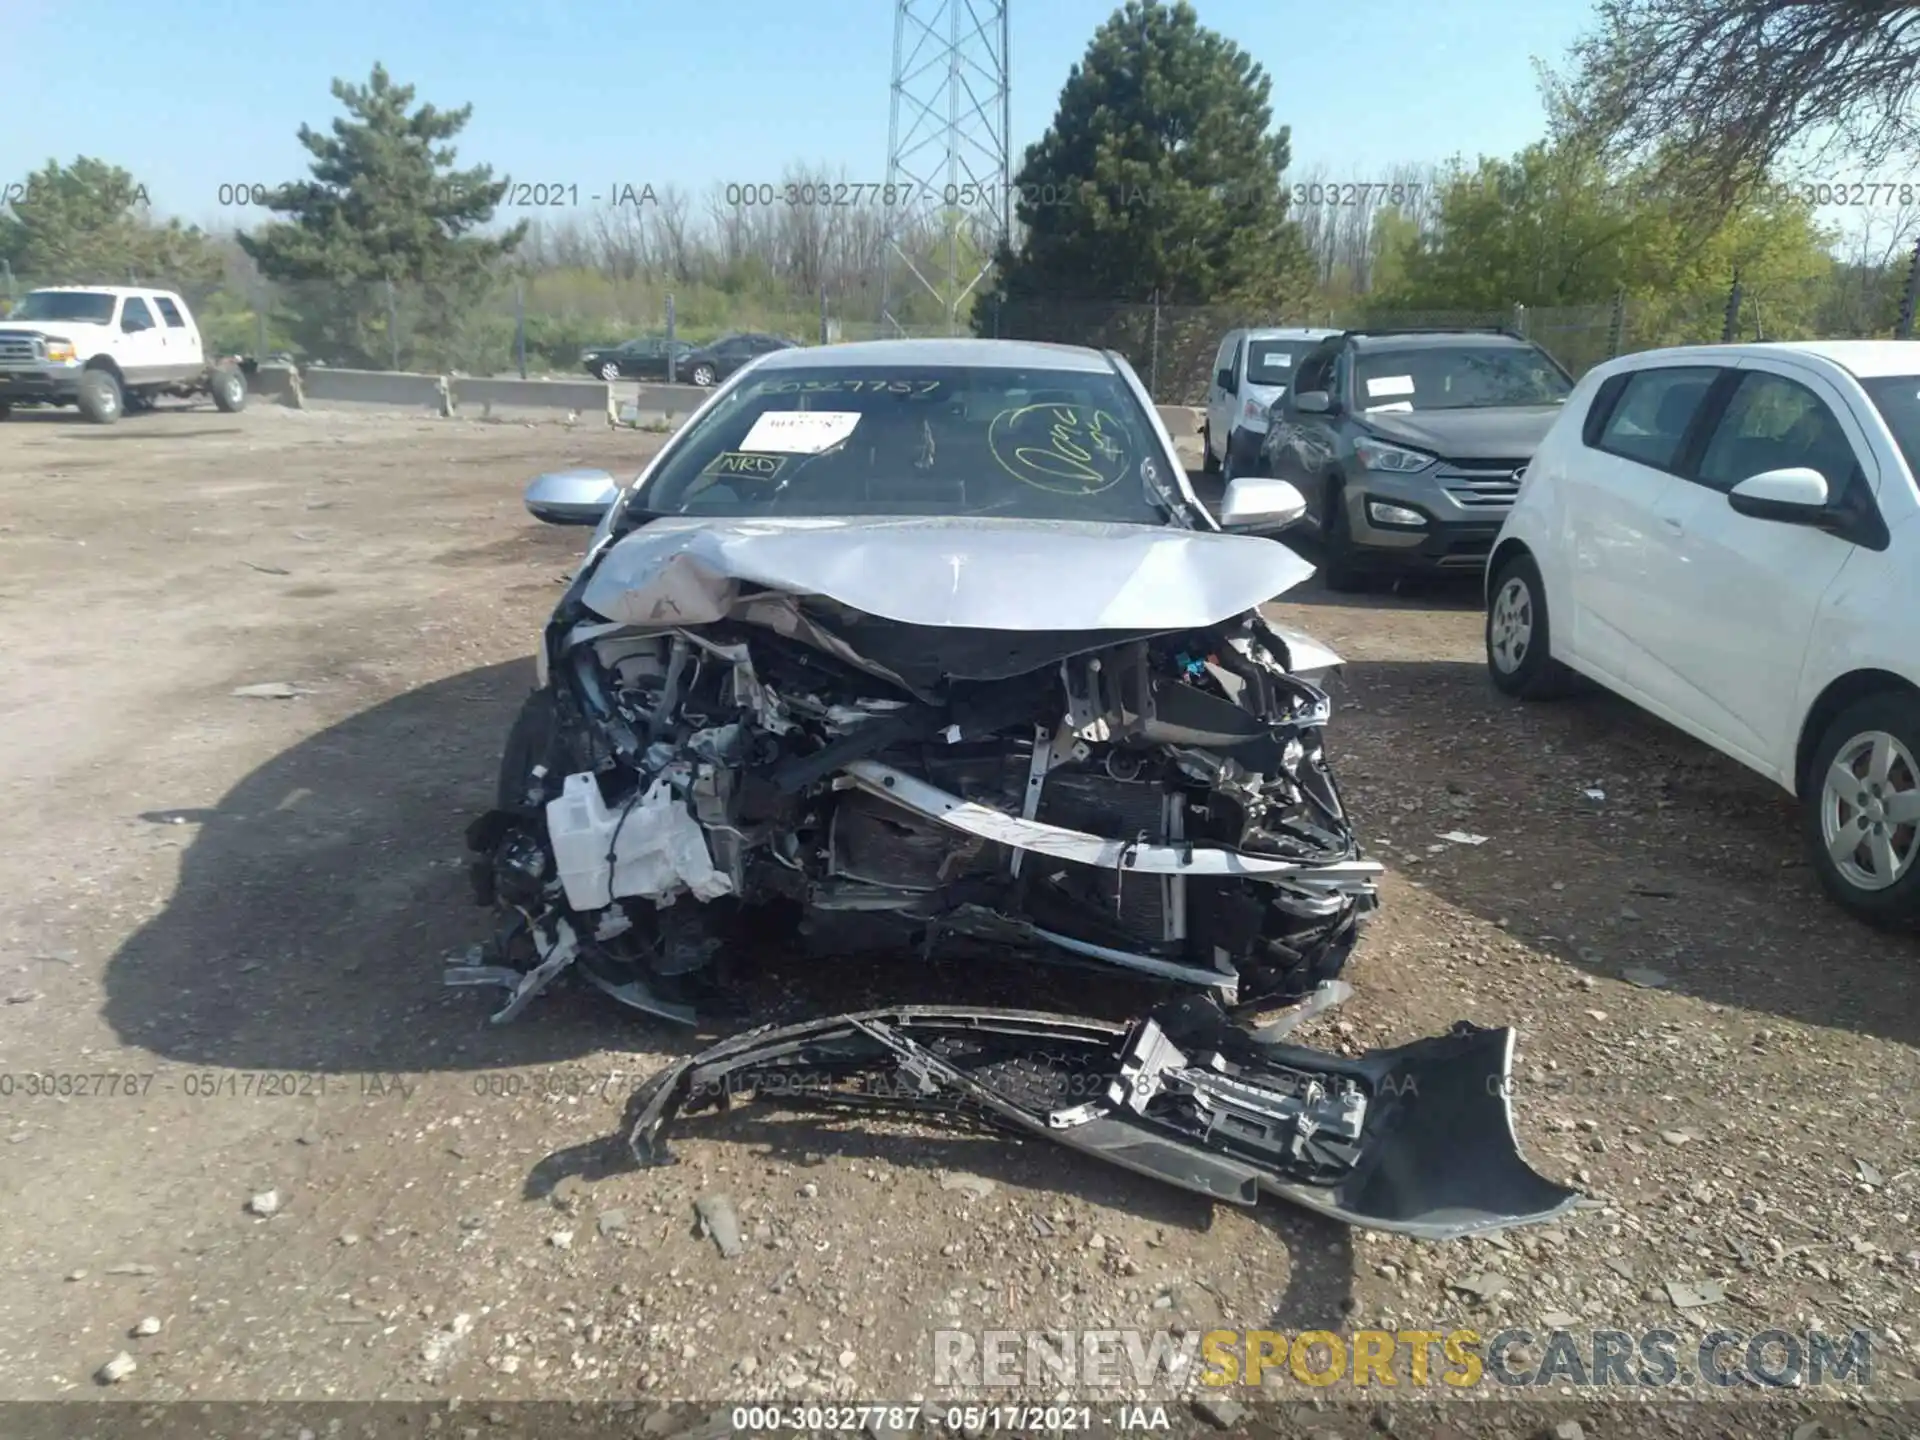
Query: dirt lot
point(239, 908)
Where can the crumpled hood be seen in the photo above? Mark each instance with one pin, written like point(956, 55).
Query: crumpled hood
point(988, 574)
point(1491, 433)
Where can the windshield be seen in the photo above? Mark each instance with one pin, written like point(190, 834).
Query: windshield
point(1271, 362)
point(83, 305)
point(986, 440)
point(1897, 398)
point(1462, 377)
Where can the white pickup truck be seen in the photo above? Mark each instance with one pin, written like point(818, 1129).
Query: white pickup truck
point(108, 349)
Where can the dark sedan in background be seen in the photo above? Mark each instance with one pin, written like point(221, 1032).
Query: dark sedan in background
point(714, 362)
point(644, 358)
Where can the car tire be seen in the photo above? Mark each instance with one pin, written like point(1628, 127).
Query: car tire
point(1518, 638)
point(99, 397)
point(1885, 723)
point(532, 741)
point(1339, 571)
point(702, 376)
point(228, 387)
point(1208, 465)
point(609, 371)
point(5, 409)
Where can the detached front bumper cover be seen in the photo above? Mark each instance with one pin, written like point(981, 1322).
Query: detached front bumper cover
point(1418, 1139)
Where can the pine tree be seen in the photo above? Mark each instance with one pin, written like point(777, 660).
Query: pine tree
point(1160, 172)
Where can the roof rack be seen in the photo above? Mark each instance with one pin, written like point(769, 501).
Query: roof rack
point(1505, 330)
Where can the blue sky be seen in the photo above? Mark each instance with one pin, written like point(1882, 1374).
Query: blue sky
point(190, 95)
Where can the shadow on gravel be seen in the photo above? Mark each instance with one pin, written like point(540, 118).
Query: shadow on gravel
point(318, 900)
point(1686, 864)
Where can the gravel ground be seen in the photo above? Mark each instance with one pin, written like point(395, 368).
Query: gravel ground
point(317, 1174)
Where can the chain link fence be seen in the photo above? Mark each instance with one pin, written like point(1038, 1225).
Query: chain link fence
point(1173, 346)
point(541, 324)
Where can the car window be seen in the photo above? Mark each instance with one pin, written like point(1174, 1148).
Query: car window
point(1457, 377)
point(1897, 398)
point(1314, 372)
point(86, 306)
point(1649, 423)
point(1223, 357)
point(136, 315)
point(1773, 423)
point(942, 440)
point(1271, 362)
point(170, 312)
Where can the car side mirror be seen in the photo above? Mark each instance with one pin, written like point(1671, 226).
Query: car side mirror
point(1313, 402)
point(572, 497)
point(1257, 503)
point(1795, 495)
point(1223, 380)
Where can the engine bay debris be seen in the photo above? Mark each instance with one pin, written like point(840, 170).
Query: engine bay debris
point(1061, 779)
point(1417, 1139)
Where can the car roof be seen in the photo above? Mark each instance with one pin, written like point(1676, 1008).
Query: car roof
point(1295, 332)
point(103, 290)
point(885, 354)
point(1433, 339)
point(1863, 359)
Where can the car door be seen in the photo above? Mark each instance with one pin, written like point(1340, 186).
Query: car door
point(1619, 546)
point(645, 360)
point(1745, 592)
point(729, 355)
point(185, 354)
point(1300, 447)
point(1220, 386)
point(142, 348)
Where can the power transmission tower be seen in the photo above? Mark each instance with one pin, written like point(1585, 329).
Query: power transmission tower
point(949, 152)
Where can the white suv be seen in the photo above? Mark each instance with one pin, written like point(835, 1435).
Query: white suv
point(1726, 536)
point(1251, 371)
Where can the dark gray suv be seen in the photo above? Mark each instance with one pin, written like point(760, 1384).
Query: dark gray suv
point(1409, 444)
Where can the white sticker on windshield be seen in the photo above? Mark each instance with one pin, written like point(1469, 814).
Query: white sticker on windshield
point(1390, 385)
point(1275, 362)
point(1399, 406)
point(800, 432)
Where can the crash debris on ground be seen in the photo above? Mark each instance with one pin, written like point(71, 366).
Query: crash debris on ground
point(1415, 1140)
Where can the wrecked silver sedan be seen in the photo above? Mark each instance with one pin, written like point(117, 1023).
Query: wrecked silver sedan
point(928, 642)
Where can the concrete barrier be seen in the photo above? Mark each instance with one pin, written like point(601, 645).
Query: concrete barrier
point(323, 386)
point(655, 407)
point(669, 400)
point(476, 398)
point(1181, 420)
point(277, 383)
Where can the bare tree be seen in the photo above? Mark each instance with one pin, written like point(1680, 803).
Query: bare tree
point(1338, 218)
point(1726, 93)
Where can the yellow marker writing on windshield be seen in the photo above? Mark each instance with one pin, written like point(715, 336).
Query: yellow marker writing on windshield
point(1062, 448)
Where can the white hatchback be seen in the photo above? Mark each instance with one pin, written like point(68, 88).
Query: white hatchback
point(1727, 536)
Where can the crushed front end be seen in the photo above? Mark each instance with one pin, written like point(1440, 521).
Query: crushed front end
point(1158, 802)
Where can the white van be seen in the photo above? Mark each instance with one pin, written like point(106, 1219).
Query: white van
point(1250, 371)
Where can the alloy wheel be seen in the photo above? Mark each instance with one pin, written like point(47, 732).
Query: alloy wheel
point(1870, 811)
point(1510, 632)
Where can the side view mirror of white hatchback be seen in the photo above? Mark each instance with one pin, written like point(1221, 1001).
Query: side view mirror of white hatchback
point(1794, 493)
